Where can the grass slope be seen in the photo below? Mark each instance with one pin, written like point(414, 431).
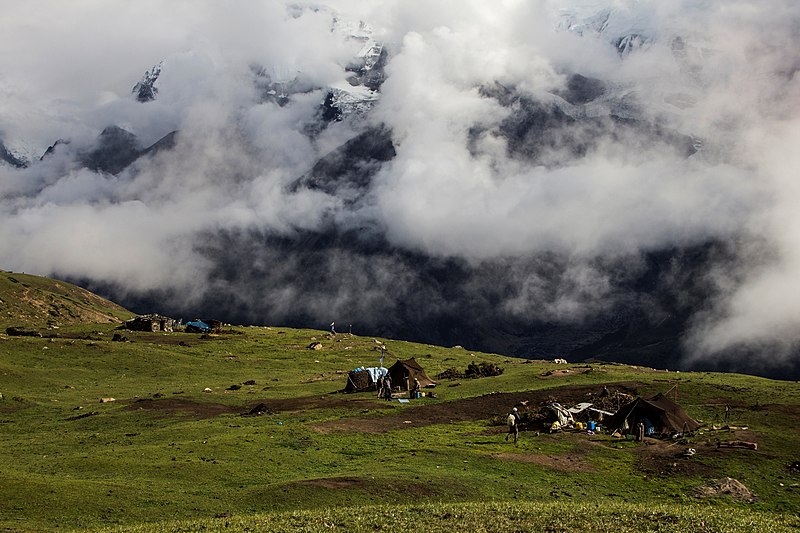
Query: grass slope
point(35, 302)
point(167, 456)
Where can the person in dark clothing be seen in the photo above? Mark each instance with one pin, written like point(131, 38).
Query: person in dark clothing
point(387, 387)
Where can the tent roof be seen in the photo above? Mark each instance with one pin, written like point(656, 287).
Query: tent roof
point(662, 412)
point(413, 369)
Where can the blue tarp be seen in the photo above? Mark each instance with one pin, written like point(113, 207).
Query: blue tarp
point(198, 324)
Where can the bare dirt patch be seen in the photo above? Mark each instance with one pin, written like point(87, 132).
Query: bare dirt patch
point(186, 407)
point(480, 408)
point(318, 402)
point(363, 421)
point(667, 459)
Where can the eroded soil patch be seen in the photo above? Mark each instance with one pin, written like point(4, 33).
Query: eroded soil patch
point(186, 407)
point(480, 408)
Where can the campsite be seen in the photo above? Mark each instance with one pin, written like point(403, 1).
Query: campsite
point(249, 428)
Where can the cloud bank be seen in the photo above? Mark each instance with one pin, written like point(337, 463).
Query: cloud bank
point(689, 140)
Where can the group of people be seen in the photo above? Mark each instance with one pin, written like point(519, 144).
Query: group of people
point(385, 387)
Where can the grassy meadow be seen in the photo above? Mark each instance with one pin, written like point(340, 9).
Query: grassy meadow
point(178, 450)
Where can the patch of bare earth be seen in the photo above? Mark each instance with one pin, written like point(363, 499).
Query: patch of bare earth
point(469, 409)
point(364, 419)
point(186, 407)
point(665, 459)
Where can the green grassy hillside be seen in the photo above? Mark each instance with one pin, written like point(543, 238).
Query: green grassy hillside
point(42, 303)
point(247, 430)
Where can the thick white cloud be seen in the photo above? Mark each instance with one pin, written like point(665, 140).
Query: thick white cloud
point(725, 73)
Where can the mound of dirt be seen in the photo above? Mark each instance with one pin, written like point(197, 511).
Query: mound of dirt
point(726, 486)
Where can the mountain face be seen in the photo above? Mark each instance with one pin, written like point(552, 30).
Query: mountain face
point(596, 203)
point(10, 158)
point(146, 90)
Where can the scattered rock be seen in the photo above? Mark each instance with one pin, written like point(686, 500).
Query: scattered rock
point(207, 389)
point(260, 409)
point(249, 382)
point(726, 486)
point(107, 400)
point(315, 346)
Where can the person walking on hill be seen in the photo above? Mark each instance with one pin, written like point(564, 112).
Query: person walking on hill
point(513, 421)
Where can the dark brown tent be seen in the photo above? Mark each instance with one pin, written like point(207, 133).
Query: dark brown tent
point(358, 381)
point(404, 372)
point(659, 414)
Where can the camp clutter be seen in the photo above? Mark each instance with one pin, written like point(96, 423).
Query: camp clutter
point(154, 322)
point(657, 416)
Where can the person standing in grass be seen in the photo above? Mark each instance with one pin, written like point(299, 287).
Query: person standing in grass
point(513, 424)
point(387, 387)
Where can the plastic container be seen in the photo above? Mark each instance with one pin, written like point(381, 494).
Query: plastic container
point(592, 425)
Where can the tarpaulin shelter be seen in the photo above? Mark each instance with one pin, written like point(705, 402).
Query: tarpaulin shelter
point(197, 326)
point(659, 414)
point(403, 373)
point(364, 379)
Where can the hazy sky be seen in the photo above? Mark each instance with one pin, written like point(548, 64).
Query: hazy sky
point(68, 69)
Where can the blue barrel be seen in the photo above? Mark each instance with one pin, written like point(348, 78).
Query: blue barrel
point(591, 425)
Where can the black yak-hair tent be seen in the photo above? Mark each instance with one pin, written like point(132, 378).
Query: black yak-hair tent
point(659, 414)
point(403, 373)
